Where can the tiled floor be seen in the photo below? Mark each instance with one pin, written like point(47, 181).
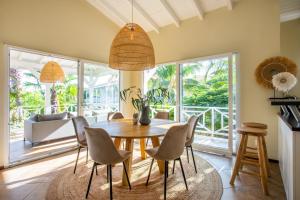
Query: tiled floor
point(21, 150)
point(30, 181)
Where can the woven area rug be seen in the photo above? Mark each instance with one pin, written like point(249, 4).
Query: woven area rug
point(205, 185)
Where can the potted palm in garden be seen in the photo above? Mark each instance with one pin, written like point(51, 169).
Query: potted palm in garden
point(141, 102)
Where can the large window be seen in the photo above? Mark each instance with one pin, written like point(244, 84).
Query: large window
point(29, 96)
point(162, 76)
point(89, 89)
point(204, 87)
point(101, 91)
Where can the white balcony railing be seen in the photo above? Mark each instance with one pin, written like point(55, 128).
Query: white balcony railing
point(213, 121)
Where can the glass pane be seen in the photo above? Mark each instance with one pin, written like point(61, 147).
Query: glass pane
point(205, 94)
point(162, 76)
point(29, 96)
point(101, 92)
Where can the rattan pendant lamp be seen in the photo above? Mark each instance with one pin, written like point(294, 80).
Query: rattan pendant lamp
point(52, 73)
point(131, 49)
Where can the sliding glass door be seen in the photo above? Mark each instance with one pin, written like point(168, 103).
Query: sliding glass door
point(30, 98)
point(100, 93)
point(206, 88)
point(162, 76)
point(40, 113)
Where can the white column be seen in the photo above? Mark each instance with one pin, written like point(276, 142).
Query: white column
point(48, 98)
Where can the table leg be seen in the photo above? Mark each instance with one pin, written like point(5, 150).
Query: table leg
point(143, 147)
point(128, 162)
point(161, 163)
point(117, 142)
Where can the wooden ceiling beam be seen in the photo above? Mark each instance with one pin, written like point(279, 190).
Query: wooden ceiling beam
point(171, 12)
point(199, 9)
point(103, 5)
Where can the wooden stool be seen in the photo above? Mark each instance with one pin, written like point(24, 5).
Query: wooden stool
point(254, 155)
point(244, 158)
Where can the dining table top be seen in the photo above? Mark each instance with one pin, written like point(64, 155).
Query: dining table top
point(124, 128)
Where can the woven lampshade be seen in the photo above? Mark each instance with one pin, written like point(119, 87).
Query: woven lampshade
point(52, 73)
point(132, 50)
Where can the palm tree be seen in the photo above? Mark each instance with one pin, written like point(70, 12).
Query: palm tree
point(33, 81)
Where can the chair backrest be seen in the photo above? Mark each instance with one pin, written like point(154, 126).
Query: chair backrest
point(114, 115)
point(109, 114)
point(192, 122)
point(101, 147)
point(80, 123)
point(162, 115)
point(173, 143)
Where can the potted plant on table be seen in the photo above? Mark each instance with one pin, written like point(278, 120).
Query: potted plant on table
point(141, 102)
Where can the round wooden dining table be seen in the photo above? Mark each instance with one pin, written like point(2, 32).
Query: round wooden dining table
point(125, 129)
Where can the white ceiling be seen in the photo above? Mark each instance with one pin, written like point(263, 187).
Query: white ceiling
point(154, 14)
point(289, 10)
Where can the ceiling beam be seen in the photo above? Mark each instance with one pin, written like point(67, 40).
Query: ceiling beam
point(171, 12)
point(199, 9)
point(142, 12)
point(229, 4)
point(104, 7)
point(291, 15)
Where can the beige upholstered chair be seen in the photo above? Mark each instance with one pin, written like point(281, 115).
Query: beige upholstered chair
point(114, 115)
point(79, 124)
point(162, 115)
point(104, 152)
point(171, 148)
point(109, 115)
point(192, 122)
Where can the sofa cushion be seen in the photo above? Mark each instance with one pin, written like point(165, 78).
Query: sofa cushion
point(51, 117)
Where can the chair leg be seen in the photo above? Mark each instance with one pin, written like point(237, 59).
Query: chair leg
point(96, 171)
point(90, 181)
point(186, 186)
point(87, 155)
point(193, 158)
point(107, 174)
point(173, 170)
point(147, 140)
point(126, 175)
point(110, 183)
point(149, 171)
point(77, 159)
point(187, 154)
point(165, 181)
point(167, 169)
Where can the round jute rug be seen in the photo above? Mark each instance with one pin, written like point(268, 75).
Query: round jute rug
point(205, 185)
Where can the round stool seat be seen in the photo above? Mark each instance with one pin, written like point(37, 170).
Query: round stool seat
point(255, 125)
point(252, 131)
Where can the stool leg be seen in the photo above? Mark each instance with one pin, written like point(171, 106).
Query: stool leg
point(262, 165)
point(266, 157)
point(244, 150)
point(237, 164)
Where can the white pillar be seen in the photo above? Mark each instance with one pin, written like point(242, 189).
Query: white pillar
point(48, 98)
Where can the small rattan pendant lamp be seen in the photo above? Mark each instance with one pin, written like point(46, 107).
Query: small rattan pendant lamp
point(132, 50)
point(52, 73)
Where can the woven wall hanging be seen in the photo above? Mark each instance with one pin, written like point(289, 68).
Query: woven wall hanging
point(271, 66)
